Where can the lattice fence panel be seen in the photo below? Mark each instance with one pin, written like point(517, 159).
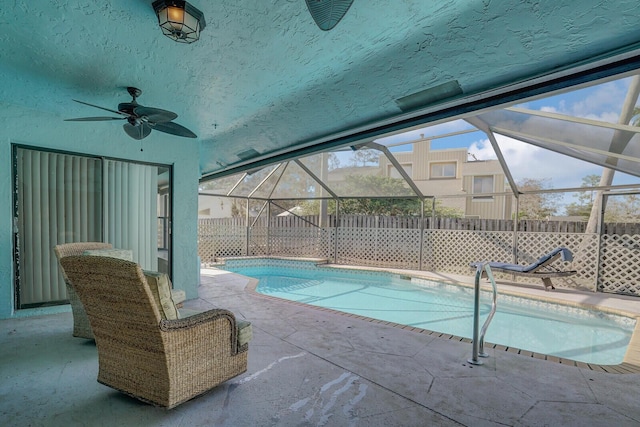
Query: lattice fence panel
point(258, 241)
point(356, 245)
point(328, 243)
point(297, 242)
point(398, 248)
point(443, 250)
point(584, 247)
point(215, 241)
point(620, 264)
point(381, 247)
point(452, 251)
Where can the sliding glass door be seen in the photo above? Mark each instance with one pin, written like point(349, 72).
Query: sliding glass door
point(64, 198)
point(130, 216)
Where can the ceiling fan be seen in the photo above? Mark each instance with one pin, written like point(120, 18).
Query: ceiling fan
point(140, 120)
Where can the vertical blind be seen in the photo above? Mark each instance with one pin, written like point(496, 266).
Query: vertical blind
point(66, 198)
point(130, 197)
point(58, 202)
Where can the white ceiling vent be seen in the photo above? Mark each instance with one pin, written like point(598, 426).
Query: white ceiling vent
point(248, 154)
point(429, 96)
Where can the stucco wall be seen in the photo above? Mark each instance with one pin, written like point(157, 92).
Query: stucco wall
point(22, 126)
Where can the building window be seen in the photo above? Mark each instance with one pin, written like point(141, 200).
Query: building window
point(443, 170)
point(482, 184)
point(393, 172)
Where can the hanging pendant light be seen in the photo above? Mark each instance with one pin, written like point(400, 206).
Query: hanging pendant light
point(327, 13)
point(179, 20)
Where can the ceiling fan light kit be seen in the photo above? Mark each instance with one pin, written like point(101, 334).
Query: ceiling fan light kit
point(179, 20)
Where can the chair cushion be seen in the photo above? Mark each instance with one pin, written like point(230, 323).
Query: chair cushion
point(160, 286)
point(188, 312)
point(125, 254)
point(245, 333)
point(178, 295)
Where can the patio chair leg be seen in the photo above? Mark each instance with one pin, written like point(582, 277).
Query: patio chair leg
point(547, 283)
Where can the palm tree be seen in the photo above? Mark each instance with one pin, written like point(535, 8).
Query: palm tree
point(606, 178)
point(635, 116)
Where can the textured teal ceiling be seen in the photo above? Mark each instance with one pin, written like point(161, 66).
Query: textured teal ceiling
point(263, 76)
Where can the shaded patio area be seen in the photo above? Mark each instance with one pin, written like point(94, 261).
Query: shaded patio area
point(313, 367)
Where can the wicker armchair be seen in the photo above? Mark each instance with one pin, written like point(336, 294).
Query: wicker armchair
point(159, 361)
point(81, 326)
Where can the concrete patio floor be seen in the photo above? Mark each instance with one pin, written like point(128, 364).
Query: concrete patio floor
point(309, 367)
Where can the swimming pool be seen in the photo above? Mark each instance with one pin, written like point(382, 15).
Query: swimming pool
point(564, 331)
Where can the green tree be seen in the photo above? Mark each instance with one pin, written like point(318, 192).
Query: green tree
point(386, 207)
point(536, 205)
point(364, 156)
point(582, 207)
point(623, 209)
point(385, 187)
point(238, 208)
point(333, 161)
point(443, 211)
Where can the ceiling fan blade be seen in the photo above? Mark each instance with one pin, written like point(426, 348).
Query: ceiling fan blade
point(137, 132)
point(94, 119)
point(155, 115)
point(102, 108)
point(173, 129)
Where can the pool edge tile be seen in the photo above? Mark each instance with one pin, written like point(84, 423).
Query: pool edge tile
point(630, 364)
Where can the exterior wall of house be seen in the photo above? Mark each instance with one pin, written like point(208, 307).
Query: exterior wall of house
point(214, 207)
point(420, 162)
point(495, 207)
point(21, 125)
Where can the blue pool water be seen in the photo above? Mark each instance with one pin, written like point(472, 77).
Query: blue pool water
point(573, 333)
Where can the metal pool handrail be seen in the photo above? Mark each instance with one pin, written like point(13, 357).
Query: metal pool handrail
point(478, 336)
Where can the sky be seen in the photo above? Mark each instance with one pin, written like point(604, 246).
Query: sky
point(601, 102)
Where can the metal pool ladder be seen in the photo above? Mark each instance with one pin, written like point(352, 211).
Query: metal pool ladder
point(478, 336)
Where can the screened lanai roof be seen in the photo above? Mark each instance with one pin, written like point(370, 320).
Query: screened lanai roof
point(615, 146)
point(575, 131)
point(303, 179)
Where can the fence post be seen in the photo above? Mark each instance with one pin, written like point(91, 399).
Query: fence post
point(600, 227)
point(335, 238)
point(516, 224)
point(269, 227)
point(246, 225)
point(421, 234)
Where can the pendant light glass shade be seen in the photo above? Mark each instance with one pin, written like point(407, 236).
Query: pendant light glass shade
point(179, 20)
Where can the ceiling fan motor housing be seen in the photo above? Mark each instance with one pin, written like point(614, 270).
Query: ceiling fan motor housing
point(127, 107)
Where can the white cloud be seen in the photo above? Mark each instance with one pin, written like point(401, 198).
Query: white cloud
point(529, 161)
point(602, 102)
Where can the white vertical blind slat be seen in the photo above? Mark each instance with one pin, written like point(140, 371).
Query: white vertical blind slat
point(48, 230)
point(41, 291)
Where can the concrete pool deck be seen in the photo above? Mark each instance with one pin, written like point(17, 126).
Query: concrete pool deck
point(309, 367)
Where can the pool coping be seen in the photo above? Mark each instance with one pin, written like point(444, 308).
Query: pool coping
point(629, 365)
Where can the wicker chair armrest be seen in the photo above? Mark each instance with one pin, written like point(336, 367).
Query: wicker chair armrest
point(200, 320)
point(191, 321)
